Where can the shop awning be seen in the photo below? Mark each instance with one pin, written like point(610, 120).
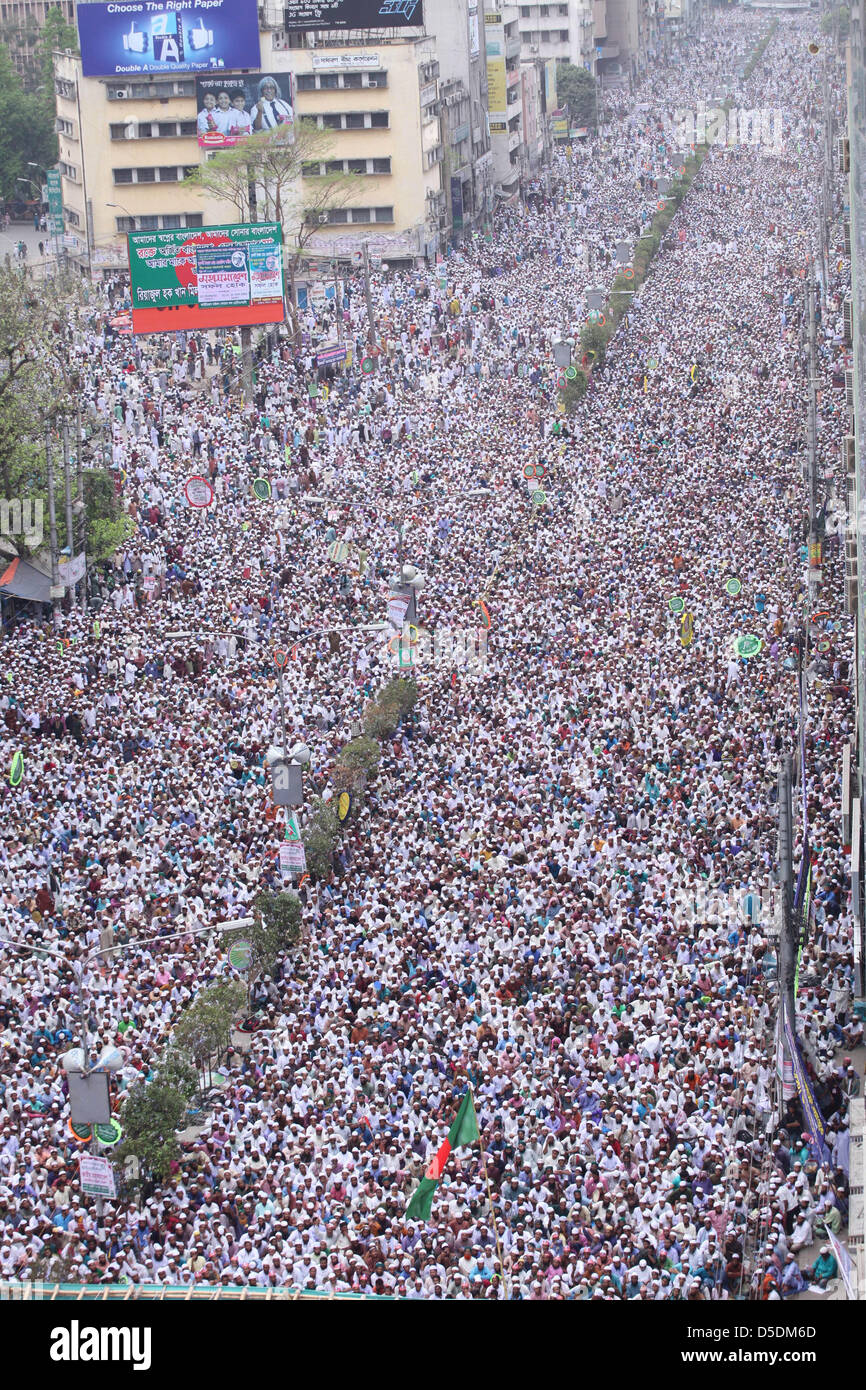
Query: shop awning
point(21, 580)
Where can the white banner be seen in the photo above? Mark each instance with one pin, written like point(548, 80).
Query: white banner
point(97, 1176)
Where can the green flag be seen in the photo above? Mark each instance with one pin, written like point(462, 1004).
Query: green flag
point(463, 1131)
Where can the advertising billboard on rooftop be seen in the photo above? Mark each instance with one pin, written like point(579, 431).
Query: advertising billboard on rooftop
point(135, 37)
point(353, 14)
point(213, 277)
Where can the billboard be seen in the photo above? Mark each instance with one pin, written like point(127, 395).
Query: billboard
point(231, 107)
point(497, 97)
point(216, 277)
point(144, 36)
point(352, 14)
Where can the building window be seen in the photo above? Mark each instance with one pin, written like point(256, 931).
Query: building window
point(170, 221)
point(306, 82)
point(125, 224)
point(357, 166)
point(194, 219)
point(379, 120)
point(332, 122)
point(381, 166)
point(149, 223)
point(145, 131)
point(169, 174)
point(72, 217)
point(146, 175)
point(338, 215)
point(122, 175)
point(329, 81)
point(187, 127)
point(352, 80)
point(354, 120)
point(334, 166)
point(384, 214)
point(120, 131)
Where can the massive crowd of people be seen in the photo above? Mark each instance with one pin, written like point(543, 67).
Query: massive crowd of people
point(542, 897)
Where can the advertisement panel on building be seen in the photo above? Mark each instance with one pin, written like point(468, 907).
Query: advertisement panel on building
point(143, 36)
point(235, 105)
point(550, 84)
point(352, 14)
point(497, 96)
point(474, 37)
point(221, 277)
point(457, 204)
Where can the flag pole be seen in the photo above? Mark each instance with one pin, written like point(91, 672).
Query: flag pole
point(490, 1197)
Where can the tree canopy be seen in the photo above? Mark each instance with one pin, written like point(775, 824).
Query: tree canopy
point(576, 87)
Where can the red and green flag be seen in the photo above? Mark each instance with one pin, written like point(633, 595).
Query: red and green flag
point(463, 1131)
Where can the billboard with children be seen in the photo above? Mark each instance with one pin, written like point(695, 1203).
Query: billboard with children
point(231, 106)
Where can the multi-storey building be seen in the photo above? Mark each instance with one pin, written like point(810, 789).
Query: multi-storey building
point(563, 31)
point(126, 145)
point(504, 97)
point(467, 168)
point(380, 103)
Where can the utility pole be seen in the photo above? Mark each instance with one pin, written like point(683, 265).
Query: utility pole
point(372, 329)
point(787, 942)
point(338, 303)
point(52, 520)
point(67, 493)
point(80, 504)
point(812, 431)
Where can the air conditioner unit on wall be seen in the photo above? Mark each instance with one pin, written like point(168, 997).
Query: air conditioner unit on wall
point(121, 93)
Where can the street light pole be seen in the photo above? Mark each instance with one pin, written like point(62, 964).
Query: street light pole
point(52, 521)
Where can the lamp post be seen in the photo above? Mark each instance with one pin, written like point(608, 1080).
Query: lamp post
point(77, 1061)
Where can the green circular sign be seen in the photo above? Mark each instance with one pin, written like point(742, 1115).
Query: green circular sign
point(241, 955)
point(571, 373)
point(108, 1134)
point(539, 497)
point(652, 363)
point(749, 645)
point(733, 587)
point(676, 605)
point(367, 365)
point(262, 489)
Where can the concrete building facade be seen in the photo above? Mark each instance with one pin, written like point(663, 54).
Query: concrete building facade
point(467, 168)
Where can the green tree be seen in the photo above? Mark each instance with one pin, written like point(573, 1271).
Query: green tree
point(277, 928)
point(574, 392)
point(26, 131)
point(279, 170)
point(320, 837)
point(56, 35)
point(204, 1029)
point(150, 1116)
point(576, 87)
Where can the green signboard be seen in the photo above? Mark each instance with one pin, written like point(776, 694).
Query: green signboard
point(208, 277)
point(55, 201)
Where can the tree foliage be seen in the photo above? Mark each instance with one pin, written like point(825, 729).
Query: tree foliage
point(277, 928)
point(204, 1029)
point(26, 131)
point(576, 87)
